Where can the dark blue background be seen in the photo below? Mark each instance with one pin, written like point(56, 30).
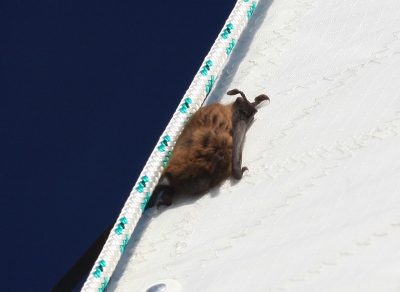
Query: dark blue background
point(86, 88)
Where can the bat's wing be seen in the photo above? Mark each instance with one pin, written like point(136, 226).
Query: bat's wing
point(239, 132)
point(242, 116)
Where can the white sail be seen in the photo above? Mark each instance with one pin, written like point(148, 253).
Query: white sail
point(318, 209)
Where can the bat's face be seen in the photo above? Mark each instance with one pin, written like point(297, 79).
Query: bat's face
point(243, 110)
point(246, 108)
point(216, 134)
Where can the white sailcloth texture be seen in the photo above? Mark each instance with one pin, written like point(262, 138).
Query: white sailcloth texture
point(318, 209)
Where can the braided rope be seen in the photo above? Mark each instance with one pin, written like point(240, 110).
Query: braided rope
point(192, 100)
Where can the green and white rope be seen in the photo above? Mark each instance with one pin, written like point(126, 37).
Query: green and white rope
point(192, 100)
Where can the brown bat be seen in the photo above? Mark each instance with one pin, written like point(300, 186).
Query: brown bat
point(208, 150)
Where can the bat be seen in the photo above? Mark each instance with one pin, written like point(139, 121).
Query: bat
point(208, 150)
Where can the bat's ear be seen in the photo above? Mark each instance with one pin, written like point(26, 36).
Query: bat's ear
point(237, 91)
point(234, 91)
point(259, 99)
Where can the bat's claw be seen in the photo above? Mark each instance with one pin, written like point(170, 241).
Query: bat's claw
point(243, 170)
point(159, 204)
point(165, 201)
point(238, 174)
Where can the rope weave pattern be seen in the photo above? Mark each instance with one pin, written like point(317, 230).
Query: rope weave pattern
point(192, 100)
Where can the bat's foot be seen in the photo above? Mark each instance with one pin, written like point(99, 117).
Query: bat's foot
point(243, 170)
point(162, 194)
point(238, 174)
point(159, 204)
point(163, 200)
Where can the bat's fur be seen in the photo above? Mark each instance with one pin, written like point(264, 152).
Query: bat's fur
point(208, 150)
point(202, 156)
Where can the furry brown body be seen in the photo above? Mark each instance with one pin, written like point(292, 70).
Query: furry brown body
point(208, 150)
point(202, 155)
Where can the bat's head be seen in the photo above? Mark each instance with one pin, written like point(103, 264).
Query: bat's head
point(242, 104)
